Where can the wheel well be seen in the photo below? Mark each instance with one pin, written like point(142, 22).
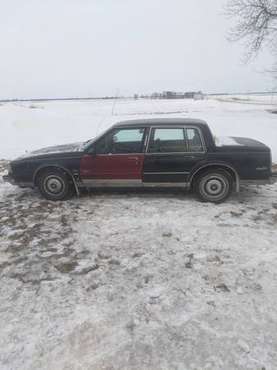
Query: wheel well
point(227, 169)
point(40, 171)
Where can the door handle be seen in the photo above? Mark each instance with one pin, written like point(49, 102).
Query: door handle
point(190, 157)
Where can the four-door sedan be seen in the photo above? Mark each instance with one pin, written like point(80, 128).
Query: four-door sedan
point(143, 153)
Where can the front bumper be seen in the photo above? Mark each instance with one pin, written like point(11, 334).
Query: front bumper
point(9, 179)
point(273, 177)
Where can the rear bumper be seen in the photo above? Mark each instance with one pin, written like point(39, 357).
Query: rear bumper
point(271, 180)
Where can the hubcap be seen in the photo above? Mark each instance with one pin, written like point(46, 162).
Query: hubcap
point(53, 185)
point(214, 187)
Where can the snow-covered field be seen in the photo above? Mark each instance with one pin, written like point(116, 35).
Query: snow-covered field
point(26, 126)
point(139, 279)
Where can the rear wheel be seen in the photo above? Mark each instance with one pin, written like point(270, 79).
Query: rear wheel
point(213, 186)
point(55, 185)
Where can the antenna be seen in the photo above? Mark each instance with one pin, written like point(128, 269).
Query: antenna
point(115, 100)
point(112, 111)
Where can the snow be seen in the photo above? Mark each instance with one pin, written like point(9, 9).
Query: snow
point(135, 279)
point(24, 128)
point(74, 147)
point(225, 141)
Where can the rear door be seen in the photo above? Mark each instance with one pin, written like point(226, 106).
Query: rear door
point(172, 153)
point(116, 160)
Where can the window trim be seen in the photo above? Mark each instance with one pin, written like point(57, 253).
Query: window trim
point(201, 139)
point(185, 137)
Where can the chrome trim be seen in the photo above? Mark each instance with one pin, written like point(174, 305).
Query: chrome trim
point(262, 169)
point(167, 173)
point(112, 182)
point(186, 154)
point(166, 185)
point(75, 185)
point(122, 154)
point(146, 139)
point(131, 183)
point(171, 127)
point(29, 159)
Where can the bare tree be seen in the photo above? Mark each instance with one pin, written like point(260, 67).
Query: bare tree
point(256, 24)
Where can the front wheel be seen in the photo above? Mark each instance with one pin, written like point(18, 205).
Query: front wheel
point(213, 186)
point(55, 185)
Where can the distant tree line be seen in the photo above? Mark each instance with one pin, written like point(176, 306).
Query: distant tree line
point(197, 95)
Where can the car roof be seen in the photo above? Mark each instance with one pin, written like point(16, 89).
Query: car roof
point(161, 122)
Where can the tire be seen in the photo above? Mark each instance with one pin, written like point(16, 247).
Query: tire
point(55, 185)
point(213, 186)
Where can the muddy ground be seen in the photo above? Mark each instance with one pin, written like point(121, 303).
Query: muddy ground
point(138, 280)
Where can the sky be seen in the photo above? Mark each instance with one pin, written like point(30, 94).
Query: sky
point(69, 48)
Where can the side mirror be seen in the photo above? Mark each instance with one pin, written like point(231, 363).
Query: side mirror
point(92, 150)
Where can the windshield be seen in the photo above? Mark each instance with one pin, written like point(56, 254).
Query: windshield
point(89, 142)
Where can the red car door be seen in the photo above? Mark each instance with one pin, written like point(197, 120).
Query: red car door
point(117, 159)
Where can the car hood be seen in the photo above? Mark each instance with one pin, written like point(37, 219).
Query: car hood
point(59, 149)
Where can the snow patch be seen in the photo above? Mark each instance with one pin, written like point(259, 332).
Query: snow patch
point(225, 141)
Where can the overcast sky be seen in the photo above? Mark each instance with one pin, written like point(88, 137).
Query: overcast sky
point(54, 48)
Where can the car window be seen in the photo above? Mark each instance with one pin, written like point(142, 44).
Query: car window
point(125, 136)
point(167, 140)
point(194, 140)
point(102, 145)
point(121, 141)
point(126, 141)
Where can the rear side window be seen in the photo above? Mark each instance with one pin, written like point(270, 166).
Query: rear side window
point(194, 140)
point(167, 140)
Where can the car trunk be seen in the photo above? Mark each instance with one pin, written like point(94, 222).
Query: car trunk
point(239, 144)
point(253, 156)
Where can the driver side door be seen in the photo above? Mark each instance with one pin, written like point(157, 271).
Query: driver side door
point(116, 160)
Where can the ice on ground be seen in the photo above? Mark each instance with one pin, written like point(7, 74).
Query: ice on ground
point(141, 280)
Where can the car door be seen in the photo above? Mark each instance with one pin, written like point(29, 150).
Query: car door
point(116, 159)
point(172, 153)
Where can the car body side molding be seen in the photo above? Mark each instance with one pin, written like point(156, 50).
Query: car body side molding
point(121, 183)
